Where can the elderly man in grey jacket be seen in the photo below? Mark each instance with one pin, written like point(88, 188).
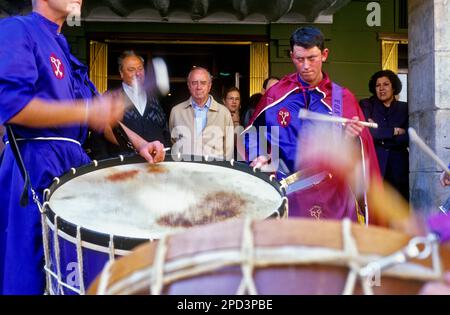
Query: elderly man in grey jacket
point(200, 125)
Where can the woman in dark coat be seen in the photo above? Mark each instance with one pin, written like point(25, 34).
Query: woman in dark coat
point(391, 138)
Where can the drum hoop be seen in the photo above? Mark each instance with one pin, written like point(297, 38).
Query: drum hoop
point(128, 243)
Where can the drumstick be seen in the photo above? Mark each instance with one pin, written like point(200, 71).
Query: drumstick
point(136, 91)
point(165, 150)
point(414, 137)
point(307, 114)
point(156, 81)
point(161, 75)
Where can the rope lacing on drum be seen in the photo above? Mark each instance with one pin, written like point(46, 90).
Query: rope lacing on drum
point(104, 278)
point(46, 249)
point(111, 248)
point(157, 278)
point(57, 257)
point(430, 245)
point(351, 249)
point(247, 265)
point(80, 260)
point(249, 257)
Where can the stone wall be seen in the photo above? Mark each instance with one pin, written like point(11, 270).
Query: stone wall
point(429, 98)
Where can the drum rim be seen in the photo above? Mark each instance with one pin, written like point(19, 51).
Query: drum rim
point(128, 243)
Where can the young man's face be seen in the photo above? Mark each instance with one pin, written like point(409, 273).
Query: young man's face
point(308, 63)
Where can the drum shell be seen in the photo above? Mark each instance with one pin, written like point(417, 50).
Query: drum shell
point(281, 277)
point(97, 248)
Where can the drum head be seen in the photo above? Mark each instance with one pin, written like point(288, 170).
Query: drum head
point(145, 201)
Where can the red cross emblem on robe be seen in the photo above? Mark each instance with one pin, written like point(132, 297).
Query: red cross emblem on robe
point(57, 67)
point(284, 117)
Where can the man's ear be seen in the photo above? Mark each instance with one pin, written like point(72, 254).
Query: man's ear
point(325, 54)
point(121, 74)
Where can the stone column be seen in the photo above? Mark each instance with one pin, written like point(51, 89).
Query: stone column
point(429, 98)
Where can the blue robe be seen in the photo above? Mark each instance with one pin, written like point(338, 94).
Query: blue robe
point(279, 108)
point(35, 62)
point(392, 151)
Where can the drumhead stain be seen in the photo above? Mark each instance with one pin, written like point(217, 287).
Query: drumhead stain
point(214, 207)
point(156, 169)
point(122, 176)
point(127, 200)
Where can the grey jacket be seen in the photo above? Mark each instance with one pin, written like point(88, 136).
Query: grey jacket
point(217, 139)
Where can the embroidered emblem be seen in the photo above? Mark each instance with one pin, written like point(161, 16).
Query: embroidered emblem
point(284, 117)
point(315, 212)
point(57, 66)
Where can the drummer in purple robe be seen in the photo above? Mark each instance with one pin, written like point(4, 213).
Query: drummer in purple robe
point(284, 137)
point(47, 99)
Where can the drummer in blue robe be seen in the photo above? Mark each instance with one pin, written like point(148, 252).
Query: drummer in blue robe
point(46, 97)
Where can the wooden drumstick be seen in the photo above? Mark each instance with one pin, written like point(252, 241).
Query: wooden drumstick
point(165, 150)
point(156, 81)
point(306, 114)
point(161, 76)
point(414, 137)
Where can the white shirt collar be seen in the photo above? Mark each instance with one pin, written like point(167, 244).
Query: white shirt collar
point(138, 98)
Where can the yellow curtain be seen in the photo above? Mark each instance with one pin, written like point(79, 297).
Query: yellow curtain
point(389, 55)
point(259, 66)
point(98, 65)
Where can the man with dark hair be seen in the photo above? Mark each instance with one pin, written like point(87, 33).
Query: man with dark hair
point(267, 84)
point(308, 88)
point(47, 100)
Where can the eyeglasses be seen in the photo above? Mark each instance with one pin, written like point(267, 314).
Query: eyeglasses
point(233, 98)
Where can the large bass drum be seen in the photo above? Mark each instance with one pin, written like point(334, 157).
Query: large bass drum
point(295, 256)
point(103, 210)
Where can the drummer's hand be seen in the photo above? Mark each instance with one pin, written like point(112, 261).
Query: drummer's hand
point(105, 111)
point(354, 128)
point(260, 161)
point(445, 179)
point(153, 152)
